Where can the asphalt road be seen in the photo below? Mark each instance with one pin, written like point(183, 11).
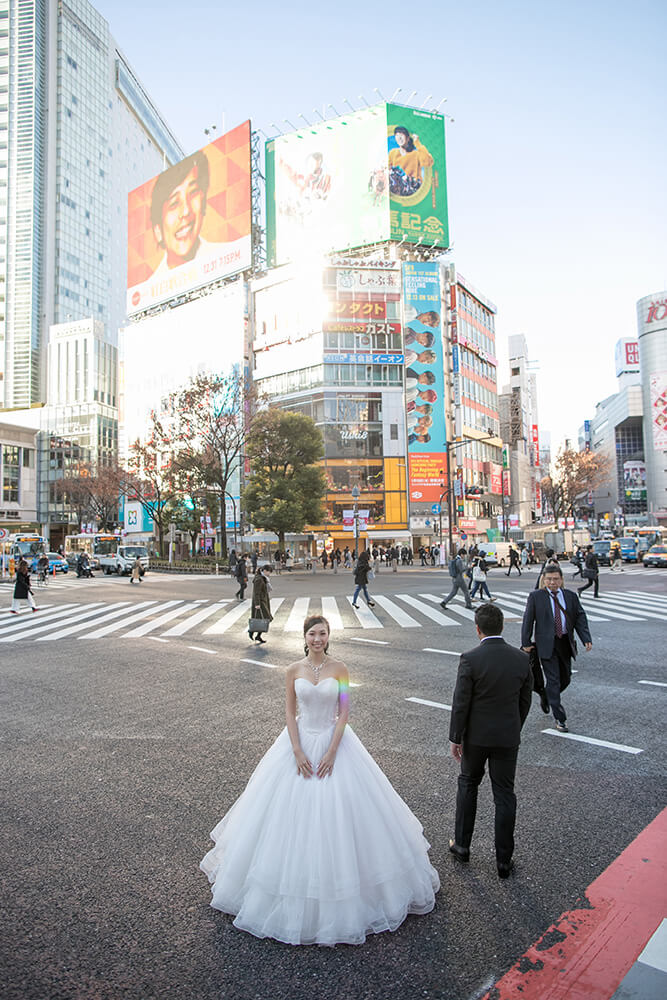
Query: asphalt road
point(120, 754)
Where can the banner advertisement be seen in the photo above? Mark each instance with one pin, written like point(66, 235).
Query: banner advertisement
point(417, 179)
point(424, 380)
point(496, 479)
point(356, 280)
point(658, 417)
point(366, 177)
point(190, 225)
point(344, 309)
point(362, 520)
point(536, 446)
point(634, 480)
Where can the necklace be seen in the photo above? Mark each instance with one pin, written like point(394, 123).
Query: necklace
point(315, 667)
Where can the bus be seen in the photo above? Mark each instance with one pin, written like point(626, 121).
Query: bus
point(651, 534)
point(21, 545)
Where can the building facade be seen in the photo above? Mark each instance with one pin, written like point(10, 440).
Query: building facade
point(18, 476)
point(652, 331)
point(77, 132)
point(520, 431)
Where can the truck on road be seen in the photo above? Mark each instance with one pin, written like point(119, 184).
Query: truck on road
point(121, 558)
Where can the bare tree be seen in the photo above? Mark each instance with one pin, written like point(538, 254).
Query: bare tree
point(93, 492)
point(150, 477)
point(576, 473)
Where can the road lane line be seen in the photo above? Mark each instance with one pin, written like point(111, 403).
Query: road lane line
point(459, 609)
point(332, 614)
point(432, 704)
point(101, 633)
point(398, 614)
point(358, 638)
point(297, 615)
point(261, 663)
point(659, 684)
point(157, 622)
point(202, 649)
point(594, 742)
point(193, 620)
point(365, 616)
point(435, 616)
point(446, 652)
point(232, 616)
point(156, 638)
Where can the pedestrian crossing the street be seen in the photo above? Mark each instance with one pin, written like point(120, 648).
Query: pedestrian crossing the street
point(175, 618)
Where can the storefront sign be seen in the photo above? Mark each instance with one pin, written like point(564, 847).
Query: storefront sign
point(468, 524)
point(363, 359)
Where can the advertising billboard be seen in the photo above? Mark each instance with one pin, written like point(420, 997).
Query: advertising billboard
point(370, 176)
point(658, 402)
point(191, 224)
point(424, 380)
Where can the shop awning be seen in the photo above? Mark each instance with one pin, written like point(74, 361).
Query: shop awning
point(388, 535)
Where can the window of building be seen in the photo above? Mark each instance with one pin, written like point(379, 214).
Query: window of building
point(28, 458)
point(10, 474)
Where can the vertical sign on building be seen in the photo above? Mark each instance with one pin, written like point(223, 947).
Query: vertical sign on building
point(658, 399)
point(424, 380)
point(536, 446)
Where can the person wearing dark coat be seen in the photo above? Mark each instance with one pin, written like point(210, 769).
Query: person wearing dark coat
point(550, 556)
point(361, 579)
point(556, 614)
point(241, 574)
point(261, 602)
point(22, 588)
point(490, 705)
point(591, 572)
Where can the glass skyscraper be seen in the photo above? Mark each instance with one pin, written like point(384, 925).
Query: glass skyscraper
point(77, 132)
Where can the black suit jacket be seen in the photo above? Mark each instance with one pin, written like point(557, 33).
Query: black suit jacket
point(539, 613)
point(492, 695)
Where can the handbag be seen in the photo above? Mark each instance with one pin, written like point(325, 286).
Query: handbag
point(478, 575)
point(258, 625)
point(371, 574)
point(589, 574)
point(536, 671)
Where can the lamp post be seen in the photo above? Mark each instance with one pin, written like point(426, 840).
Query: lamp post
point(355, 497)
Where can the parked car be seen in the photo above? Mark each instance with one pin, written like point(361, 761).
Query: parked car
point(601, 547)
point(56, 561)
point(656, 556)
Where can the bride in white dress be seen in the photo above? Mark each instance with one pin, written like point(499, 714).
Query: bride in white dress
point(319, 848)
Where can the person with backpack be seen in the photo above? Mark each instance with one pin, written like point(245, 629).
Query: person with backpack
point(456, 568)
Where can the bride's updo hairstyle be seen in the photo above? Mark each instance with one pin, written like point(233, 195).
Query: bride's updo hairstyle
point(308, 624)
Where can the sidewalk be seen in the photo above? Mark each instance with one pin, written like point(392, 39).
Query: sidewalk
point(613, 946)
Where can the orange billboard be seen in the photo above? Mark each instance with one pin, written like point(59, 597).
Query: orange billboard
point(191, 225)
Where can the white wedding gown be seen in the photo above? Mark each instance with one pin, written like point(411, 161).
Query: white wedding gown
point(319, 860)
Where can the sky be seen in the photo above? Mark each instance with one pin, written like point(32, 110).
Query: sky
point(556, 155)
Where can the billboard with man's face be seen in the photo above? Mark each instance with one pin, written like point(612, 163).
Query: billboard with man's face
point(370, 176)
point(191, 224)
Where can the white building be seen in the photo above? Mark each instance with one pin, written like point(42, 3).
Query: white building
point(77, 132)
point(520, 430)
point(18, 501)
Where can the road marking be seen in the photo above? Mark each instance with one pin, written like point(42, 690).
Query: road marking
point(460, 609)
point(633, 604)
point(63, 610)
point(297, 615)
point(332, 614)
point(202, 649)
point(157, 622)
point(659, 684)
point(435, 616)
point(432, 704)
point(228, 620)
point(445, 652)
point(365, 616)
point(193, 620)
point(100, 633)
point(376, 642)
point(594, 742)
point(156, 638)
point(398, 614)
point(590, 617)
point(79, 615)
point(261, 663)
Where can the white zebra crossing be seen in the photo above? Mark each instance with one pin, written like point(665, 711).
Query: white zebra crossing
point(171, 619)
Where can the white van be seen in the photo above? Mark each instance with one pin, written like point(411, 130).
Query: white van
point(497, 553)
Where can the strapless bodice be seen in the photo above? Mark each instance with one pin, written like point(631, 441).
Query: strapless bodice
point(318, 703)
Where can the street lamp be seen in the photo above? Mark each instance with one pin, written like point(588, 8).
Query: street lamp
point(355, 497)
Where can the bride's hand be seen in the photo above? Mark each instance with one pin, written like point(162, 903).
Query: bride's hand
point(303, 765)
point(325, 766)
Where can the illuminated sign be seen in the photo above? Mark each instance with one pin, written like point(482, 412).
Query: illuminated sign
point(363, 359)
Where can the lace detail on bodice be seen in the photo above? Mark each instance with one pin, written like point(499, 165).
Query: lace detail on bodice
point(318, 703)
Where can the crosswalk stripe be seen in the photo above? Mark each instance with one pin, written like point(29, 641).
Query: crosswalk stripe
point(158, 622)
point(607, 610)
point(649, 600)
point(121, 608)
point(459, 609)
point(24, 622)
point(400, 616)
point(631, 604)
point(232, 616)
point(591, 617)
point(100, 633)
point(332, 614)
point(79, 615)
point(365, 616)
point(297, 615)
point(435, 616)
point(195, 619)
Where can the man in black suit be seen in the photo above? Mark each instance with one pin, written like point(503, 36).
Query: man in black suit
point(556, 614)
point(490, 705)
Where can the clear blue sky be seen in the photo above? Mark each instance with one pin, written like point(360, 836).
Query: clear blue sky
point(557, 158)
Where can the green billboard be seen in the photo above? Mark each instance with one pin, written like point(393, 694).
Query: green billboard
point(367, 177)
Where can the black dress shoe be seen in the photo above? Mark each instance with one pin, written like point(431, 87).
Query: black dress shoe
point(461, 853)
point(544, 702)
point(259, 639)
point(504, 870)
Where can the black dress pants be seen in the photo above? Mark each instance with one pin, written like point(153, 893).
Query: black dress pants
point(552, 674)
point(502, 768)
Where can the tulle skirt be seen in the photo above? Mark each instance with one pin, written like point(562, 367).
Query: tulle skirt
point(320, 861)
